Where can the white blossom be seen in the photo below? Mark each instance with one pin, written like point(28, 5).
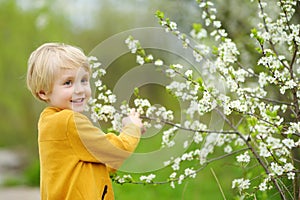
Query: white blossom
point(197, 138)
point(241, 184)
point(277, 169)
point(149, 57)
point(217, 24)
point(168, 136)
point(188, 73)
point(181, 178)
point(288, 142)
point(288, 167)
point(243, 158)
point(98, 83)
point(187, 156)
point(173, 25)
point(199, 35)
point(148, 179)
point(112, 98)
point(176, 164)
point(291, 175)
point(190, 172)
point(140, 60)
point(263, 150)
point(228, 149)
point(132, 44)
point(124, 179)
point(158, 62)
point(263, 186)
point(173, 175)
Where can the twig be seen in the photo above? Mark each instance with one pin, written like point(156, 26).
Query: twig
point(196, 171)
point(219, 185)
point(187, 129)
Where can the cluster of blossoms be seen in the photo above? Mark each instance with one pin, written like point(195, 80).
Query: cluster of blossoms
point(122, 179)
point(265, 101)
point(148, 179)
point(101, 107)
point(241, 184)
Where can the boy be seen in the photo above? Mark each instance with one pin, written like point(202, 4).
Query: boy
point(75, 156)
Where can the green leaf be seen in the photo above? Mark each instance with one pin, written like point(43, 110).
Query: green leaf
point(197, 27)
point(260, 40)
point(252, 121)
point(168, 21)
point(215, 50)
point(254, 32)
point(136, 91)
point(141, 52)
point(259, 50)
point(271, 114)
point(159, 14)
point(200, 81)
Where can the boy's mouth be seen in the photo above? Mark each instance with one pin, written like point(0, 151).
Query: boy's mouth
point(80, 100)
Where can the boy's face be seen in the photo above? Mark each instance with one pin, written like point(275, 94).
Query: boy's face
point(71, 90)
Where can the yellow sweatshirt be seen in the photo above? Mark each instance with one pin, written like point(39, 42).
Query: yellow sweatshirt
point(75, 155)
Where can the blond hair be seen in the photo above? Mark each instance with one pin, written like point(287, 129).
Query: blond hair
point(45, 62)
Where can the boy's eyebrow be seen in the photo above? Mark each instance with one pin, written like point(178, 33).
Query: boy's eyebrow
point(67, 77)
point(70, 76)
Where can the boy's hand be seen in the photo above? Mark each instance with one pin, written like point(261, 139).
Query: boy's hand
point(134, 117)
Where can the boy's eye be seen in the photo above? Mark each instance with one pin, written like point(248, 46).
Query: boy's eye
point(84, 80)
point(69, 82)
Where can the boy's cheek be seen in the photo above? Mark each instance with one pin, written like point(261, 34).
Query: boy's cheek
point(89, 93)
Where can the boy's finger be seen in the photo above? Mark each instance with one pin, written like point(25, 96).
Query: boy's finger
point(132, 111)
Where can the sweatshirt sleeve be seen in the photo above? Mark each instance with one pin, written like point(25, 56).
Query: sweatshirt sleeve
point(92, 145)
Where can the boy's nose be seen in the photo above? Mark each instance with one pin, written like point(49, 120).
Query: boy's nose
point(78, 88)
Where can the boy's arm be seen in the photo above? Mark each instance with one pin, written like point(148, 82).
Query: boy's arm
point(92, 145)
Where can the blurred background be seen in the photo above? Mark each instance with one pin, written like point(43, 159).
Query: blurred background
point(26, 24)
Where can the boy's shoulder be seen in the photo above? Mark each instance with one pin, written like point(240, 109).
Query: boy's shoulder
point(63, 120)
point(56, 115)
point(50, 111)
point(60, 114)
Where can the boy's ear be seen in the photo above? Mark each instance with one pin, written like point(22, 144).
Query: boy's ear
point(42, 94)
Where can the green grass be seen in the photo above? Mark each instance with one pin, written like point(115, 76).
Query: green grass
point(203, 187)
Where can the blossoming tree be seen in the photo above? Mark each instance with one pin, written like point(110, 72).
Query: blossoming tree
point(257, 105)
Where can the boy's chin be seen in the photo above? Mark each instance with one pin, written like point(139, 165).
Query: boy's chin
point(78, 109)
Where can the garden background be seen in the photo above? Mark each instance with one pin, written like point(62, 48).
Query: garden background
point(26, 24)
